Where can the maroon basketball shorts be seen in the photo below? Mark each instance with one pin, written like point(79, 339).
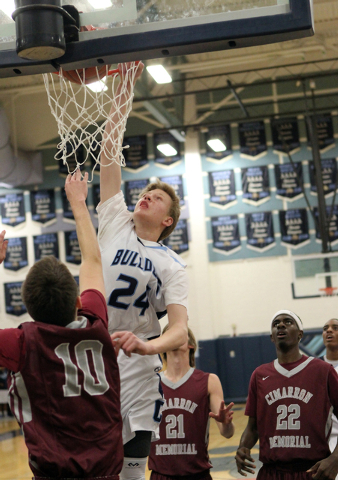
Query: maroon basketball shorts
point(287, 472)
point(197, 476)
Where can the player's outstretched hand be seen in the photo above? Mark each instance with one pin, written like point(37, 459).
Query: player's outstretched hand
point(129, 343)
point(124, 67)
point(76, 188)
point(326, 469)
point(244, 461)
point(3, 246)
point(224, 414)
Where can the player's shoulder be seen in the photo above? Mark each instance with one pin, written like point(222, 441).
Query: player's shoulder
point(264, 369)
point(175, 259)
point(200, 374)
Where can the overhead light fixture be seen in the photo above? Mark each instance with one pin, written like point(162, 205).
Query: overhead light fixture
point(97, 4)
point(167, 149)
point(159, 74)
point(99, 86)
point(8, 7)
point(216, 145)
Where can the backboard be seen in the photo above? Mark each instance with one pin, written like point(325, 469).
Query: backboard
point(145, 29)
point(315, 275)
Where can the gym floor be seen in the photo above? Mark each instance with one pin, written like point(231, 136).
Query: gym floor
point(14, 464)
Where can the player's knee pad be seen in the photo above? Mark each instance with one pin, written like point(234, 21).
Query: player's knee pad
point(133, 469)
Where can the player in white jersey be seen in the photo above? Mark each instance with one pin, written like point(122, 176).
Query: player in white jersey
point(330, 338)
point(143, 280)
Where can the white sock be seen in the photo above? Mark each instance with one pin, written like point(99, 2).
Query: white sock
point(134, 469)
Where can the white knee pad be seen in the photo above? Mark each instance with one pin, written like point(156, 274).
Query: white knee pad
point(133, 469)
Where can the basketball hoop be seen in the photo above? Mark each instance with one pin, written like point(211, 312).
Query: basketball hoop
point(329, 291)
point(82, 114)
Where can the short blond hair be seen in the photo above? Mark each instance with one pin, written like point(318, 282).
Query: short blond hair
point(175, 209)
point(191, 342)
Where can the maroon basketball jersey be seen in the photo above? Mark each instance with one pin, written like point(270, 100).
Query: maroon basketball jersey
point(184, 428)
point(67, 397)
point(293, 410)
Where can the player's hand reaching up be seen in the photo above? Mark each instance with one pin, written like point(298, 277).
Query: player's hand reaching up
point(3, 246)
point(130, 343)
point(123, 68)
point(76, 188)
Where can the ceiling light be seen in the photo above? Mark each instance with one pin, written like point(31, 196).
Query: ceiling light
point(167, 150)
point(159, 74)
point(216, 145)
point(99, 86)
point(8, 7)
point(97, 4)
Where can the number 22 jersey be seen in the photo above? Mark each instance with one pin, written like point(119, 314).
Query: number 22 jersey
point(293, 405)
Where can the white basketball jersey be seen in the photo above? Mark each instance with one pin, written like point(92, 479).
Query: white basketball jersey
point(141, 277)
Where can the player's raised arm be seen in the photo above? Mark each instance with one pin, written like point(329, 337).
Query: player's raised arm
point(3, 246)
point(110, 176)
point(224, 413)
point(91, 268)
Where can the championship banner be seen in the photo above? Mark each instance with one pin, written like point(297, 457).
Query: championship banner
point(46, 244)
point(72, 248)
point(136, 156)
point(13, 209)
point(16, 256)
point(289, 180)
point(178, 239)
point(324, 130)
point(222, 188)
point(222, 133)
point(255, 185)
point(225, 234)
point(162, 160)
point(252, 139)
point(329, 176)
point(259, 231)
point(96, 196)
point(294, 227)
point(13, 299)
point(285, 134)
point(43, 206)
point(71, 160)
point(67, 209)
point(133, 188)
point(176, 181)
point(333, 225)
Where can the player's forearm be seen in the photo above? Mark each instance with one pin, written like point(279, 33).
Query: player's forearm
point(86, 233)
point(172, 339)
point(249, 438)
point(226, 429)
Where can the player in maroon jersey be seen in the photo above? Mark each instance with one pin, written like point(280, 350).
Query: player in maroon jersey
point(64, 381)
point(191, 396)
point(289, 406)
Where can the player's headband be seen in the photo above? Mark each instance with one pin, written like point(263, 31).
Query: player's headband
point(291, 314)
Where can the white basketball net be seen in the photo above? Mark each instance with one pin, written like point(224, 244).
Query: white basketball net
point(82, 116)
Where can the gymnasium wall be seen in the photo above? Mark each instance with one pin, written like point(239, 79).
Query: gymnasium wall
point(226, 294)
